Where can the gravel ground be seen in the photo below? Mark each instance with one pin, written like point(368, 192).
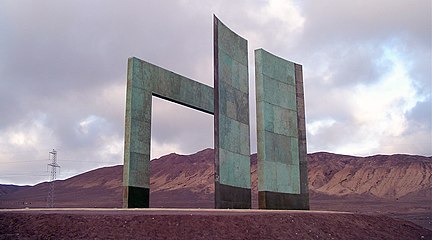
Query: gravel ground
point(201, 224)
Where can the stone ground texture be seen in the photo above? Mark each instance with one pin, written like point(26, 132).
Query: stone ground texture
point(201, 224)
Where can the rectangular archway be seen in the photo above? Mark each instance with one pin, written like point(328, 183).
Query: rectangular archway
point(145, 80)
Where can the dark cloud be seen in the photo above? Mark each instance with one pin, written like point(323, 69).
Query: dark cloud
point(422, 112)
point(417, 137)
point(336, 22)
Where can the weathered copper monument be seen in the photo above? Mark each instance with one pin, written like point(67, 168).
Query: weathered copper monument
point(280, 119)
point(281, 133)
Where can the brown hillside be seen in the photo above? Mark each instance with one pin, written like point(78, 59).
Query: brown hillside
point(394, 184)
point(7, 189)
point(383, 177)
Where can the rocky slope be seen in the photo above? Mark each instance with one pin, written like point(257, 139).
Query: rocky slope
point(8, 188)
point(388, 177)
point(382, 176)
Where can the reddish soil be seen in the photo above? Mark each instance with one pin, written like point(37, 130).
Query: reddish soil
point(201, 224)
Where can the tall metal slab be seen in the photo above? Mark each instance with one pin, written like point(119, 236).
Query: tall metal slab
point(281, 133)
point(143, 81)
point(231, 119)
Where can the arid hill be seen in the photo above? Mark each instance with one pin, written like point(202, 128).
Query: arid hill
point(391, 184)
point(382, 176)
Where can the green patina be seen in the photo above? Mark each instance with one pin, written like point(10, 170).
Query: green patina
point(278, 153)
point(282, 164)
point(232, 142)
point(144, 81)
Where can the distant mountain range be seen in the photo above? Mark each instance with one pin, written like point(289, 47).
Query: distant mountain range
point(396, 185)
point(187, 181)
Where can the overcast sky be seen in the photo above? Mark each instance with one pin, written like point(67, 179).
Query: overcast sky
point(63, 65)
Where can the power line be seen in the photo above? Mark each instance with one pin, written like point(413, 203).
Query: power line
point(54, 166)
point(61, 160)
point(17, 175)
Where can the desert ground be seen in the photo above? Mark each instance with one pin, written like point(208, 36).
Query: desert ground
point(201, 224)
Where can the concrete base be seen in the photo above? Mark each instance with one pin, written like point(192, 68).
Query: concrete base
point(136, 197)
point(232, 197)
point(285, 201)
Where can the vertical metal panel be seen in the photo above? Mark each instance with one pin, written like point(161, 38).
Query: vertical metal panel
point(232, 144)
point(280, 132)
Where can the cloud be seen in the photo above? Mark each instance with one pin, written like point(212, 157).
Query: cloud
point(416, 137)
point(367, 72)
point(185, 131)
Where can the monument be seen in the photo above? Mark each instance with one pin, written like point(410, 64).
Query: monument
point(228, 101)
point(281, 133)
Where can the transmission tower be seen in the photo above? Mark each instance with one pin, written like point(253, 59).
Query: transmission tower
point(54, 166)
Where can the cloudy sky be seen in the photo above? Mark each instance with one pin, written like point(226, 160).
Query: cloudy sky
point(367, 73)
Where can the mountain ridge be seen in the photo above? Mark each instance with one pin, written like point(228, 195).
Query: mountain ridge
point(397, 185)
point(381, 176)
